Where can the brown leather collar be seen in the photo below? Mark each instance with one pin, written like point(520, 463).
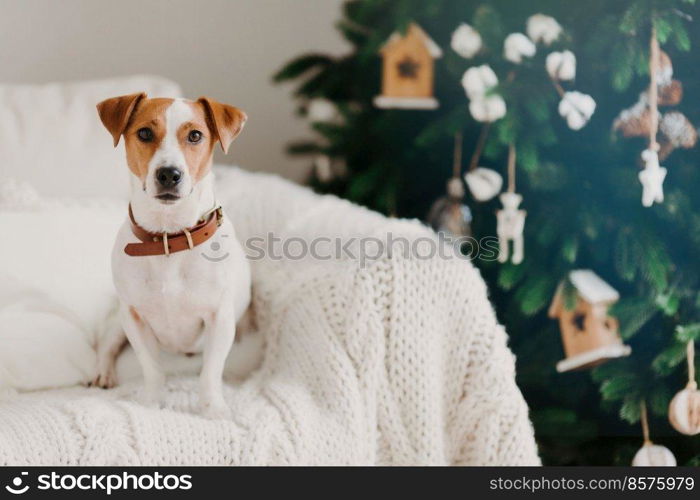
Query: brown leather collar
point(167, 243)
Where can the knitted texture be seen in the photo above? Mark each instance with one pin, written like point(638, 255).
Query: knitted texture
point(397, 362)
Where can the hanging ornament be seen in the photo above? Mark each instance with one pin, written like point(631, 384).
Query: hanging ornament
point(675, 129)
point(684, 410)
point(408, 70)
point(449, 214)
point(510, 221)
point(589, 335)
point(484, 183)
point(650, 454)
point(652, 178)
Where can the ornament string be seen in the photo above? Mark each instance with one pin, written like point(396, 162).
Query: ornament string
point(690, 350)
point(645, 423)
point(480, 143)
point(511, 168)
point(558, 87)
point(457, 157)
point(653, 89)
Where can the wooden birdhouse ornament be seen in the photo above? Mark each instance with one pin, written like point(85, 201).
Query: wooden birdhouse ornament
point(590, 336)
point(408, 69)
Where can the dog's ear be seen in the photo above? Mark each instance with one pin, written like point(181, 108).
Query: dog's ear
point(224, 120)
point(116, 111)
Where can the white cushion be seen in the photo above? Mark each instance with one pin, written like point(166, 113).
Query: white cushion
point(63, 248)
point(43, 343)
point(52, 136)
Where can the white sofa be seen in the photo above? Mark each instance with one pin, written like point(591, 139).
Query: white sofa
point(396, 361)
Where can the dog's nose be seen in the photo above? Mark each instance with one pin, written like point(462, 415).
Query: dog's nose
point(168, 176)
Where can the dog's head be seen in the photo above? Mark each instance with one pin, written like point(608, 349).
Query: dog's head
point(170, 142)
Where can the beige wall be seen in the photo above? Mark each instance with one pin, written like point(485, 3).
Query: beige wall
point(227, 49)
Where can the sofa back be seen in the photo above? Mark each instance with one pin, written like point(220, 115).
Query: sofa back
point(52, 138)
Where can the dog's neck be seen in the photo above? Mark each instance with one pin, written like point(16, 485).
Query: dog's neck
point(157, 217)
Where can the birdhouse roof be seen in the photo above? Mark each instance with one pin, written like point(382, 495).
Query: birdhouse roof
point(414, 30)
point(592, 288)
point(589, 286)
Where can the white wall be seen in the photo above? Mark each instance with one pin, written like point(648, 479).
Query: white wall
point(226, 49)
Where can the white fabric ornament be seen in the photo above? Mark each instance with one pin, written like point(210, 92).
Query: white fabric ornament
point(483, 183)
point(561, 65)
point(466, 41)
point(322, 110)
point(576, 108)
point(684, 411)
point(652, 179)
point(541, 28)
point(478, 80)
point(510, 226)
point(449, 214)
point(517, 46)
point(488, 109)
point(654, 455)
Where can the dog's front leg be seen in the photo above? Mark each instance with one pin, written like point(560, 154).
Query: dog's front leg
point(145, 346)
point(220, 332)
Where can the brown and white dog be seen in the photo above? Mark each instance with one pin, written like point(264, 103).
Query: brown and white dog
point(171, 295)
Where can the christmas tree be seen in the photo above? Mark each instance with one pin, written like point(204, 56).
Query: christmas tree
point(580, 189)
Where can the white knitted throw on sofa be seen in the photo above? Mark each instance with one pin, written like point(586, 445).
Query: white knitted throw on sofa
point(400, 362)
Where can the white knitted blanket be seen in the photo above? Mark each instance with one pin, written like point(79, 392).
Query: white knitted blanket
point(400, 362)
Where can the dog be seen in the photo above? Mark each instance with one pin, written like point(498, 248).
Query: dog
point(172, 295)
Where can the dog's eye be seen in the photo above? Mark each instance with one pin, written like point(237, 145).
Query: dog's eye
point(145, 134)
point(194, 136)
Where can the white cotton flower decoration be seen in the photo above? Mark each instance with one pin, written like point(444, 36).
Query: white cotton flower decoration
point(321, 110)
point(517, 46)
point(576, 108)
point(466, 41)
point(561, 65)
point(478, 80)
point(487, 109)
point(541, 28)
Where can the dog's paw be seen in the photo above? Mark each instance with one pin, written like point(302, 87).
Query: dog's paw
point(214, 410)
point(104, 380)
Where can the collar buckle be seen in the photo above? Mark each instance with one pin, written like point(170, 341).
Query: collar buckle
point(219, 216)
